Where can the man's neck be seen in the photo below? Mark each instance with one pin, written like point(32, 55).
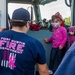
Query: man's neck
point(18, 29)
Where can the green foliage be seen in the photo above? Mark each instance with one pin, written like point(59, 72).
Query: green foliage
point(67, 21)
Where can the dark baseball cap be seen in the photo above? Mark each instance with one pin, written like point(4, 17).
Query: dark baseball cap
point(21, 14)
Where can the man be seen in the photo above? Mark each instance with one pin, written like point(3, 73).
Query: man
point(19, 52)
point(67, 66)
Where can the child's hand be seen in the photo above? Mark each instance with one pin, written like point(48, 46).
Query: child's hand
point(71, 33)
point(45, 39)
point(60, 47)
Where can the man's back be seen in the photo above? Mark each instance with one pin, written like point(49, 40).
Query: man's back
point(19, 53)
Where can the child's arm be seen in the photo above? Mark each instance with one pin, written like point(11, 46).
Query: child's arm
point(64, 33)
point(48, 39)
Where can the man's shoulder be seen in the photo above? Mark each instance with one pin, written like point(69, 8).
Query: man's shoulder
point(33, 40)
point(4, 32)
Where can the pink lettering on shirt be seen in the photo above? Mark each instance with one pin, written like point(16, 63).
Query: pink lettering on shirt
point(20, 46)
point(12, 45)
point(2, 42)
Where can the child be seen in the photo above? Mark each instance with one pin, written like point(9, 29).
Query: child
point(58, 40)
point(71, 35)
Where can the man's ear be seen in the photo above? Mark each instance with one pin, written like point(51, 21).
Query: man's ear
point(26, 24)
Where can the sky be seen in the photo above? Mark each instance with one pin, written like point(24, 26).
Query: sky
point(46, 10)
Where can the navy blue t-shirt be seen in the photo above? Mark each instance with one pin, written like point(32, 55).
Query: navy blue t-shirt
point(19, 53)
